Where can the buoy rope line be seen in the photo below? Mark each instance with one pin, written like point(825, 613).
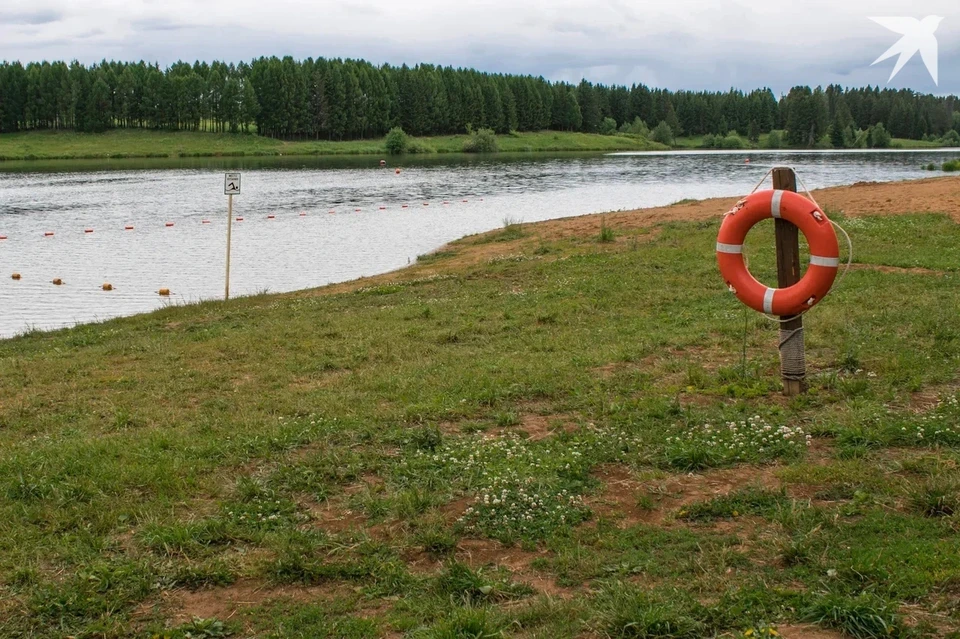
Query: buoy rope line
point(843, 274)
point(269, 216)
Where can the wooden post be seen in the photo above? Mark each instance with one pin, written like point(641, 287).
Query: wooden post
point(788, 271)
point(226, 292)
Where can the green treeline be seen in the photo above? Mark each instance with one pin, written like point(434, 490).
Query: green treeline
point(353, 99)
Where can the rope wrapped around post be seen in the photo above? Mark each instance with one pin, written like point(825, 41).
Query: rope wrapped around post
point(793, 366)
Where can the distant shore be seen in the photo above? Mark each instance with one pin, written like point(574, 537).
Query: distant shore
point(122, 144)
point(139, 144)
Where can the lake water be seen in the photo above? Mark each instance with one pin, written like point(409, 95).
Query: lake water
point(335, 219)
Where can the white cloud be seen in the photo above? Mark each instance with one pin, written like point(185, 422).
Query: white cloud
point(679, 44)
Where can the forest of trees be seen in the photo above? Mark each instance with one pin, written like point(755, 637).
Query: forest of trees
point(353, 99)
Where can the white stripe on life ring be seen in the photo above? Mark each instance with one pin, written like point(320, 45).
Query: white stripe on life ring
point(768, 301)
point(832, 262)
point(729, 248)
point(775, 203)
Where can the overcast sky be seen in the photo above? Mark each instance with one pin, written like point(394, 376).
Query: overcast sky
point(678, 44)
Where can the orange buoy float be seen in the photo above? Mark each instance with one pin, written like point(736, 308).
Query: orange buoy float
point(15, 276)
point(3, 237)
point(397, 171)
point(271, 217)
point(107, 286)
point(383, 208)
point(405, 207)
point(48, 234)
point(57, 281)
point(747, 161)
point(164, 292)
point(356, 210)
point(239, 219)
point(305, 215)
point(205, 221)
point(426, 204)
point(821, 238)
point(88, 230)
point(168, 224)
point(464, 201)
point(128, 228)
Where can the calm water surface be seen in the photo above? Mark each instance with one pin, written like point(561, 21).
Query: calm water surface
point(294, 251)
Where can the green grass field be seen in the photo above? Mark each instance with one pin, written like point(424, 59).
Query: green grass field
point(119, 144)
point(528, 434)
point(48, 145)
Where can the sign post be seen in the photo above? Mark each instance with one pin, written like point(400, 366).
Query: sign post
point(231, 187)
point(792, 361)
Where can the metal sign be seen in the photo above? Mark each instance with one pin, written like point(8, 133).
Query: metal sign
point(231, 184)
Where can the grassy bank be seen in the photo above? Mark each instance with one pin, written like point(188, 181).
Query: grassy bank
point(559, 430)
point(119, 144)
point(48, 145)
point(698, 142)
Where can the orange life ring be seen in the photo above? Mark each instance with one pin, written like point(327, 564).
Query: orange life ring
point(821, 238)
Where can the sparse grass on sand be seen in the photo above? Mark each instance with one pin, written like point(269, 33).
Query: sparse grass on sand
point(544, 431)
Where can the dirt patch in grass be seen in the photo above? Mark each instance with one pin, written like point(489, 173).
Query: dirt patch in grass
point(451, 511)
point(484, 553)
point(369, 481)
point(333, 517)
point(927, 399)
point(539, 427)
point(807, 632)
point(182, 606)
point(631, 502)
point(914, 615)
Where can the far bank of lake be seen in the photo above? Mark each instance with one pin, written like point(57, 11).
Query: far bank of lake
point(139, 144)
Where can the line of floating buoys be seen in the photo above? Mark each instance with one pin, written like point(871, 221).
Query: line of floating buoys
point(15, 276)
point(57, 281)
point(107, 286)
point(272, 216)
point(164, 292)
